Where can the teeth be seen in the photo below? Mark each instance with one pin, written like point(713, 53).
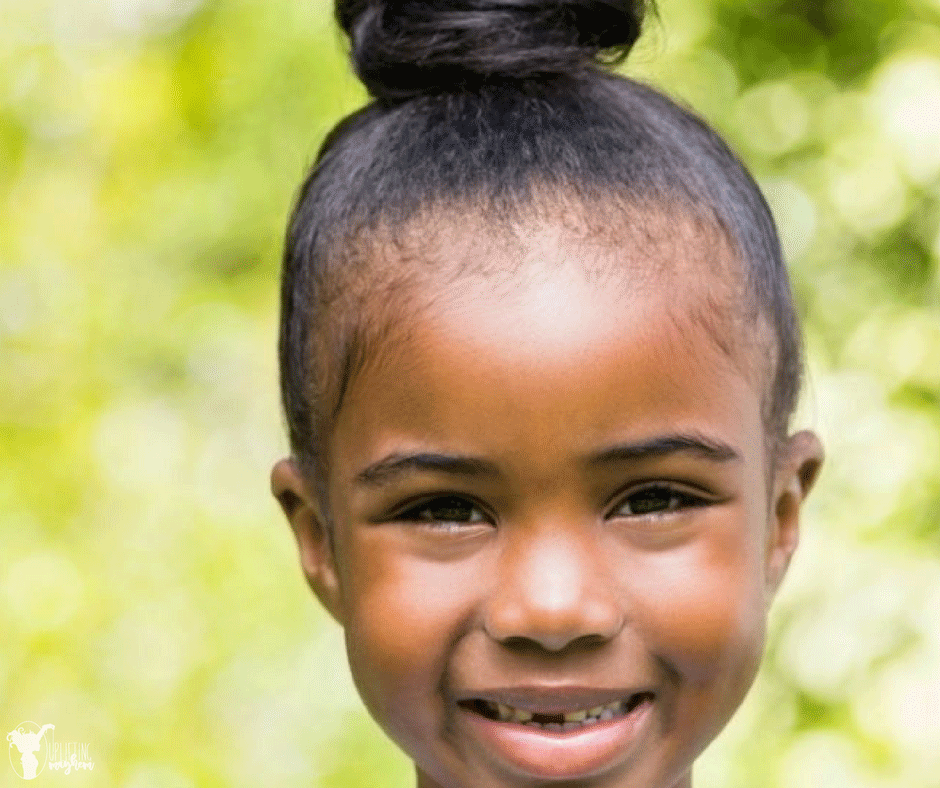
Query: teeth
point(572, 720)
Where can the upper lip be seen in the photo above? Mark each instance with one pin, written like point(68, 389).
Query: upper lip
point(552, 700)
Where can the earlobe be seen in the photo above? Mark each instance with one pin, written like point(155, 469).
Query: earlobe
point(303, 513)
point(797, 470)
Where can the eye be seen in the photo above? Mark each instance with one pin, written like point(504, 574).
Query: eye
point(445, 510)
point(657, 499)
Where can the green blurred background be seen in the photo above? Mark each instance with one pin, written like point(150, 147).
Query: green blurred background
point(151, 605)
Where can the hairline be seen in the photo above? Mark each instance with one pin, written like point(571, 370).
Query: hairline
point(378, 304)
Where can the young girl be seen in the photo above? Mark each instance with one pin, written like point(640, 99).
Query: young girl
point(538, 358)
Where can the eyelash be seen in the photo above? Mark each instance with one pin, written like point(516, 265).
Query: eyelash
point(412, 514)
point(679, 498)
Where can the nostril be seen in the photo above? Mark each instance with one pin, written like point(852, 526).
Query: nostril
point(561, 647)
point(533, 629)
point(589, 641)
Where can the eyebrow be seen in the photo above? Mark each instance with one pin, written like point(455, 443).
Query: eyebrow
point(681, 443)
point(394, 466)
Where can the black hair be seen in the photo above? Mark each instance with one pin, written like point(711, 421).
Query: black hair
point(484, 102)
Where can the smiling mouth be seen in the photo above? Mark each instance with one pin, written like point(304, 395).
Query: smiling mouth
point(560, 722)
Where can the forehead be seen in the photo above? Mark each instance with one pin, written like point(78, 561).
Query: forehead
point(393, 274)
point(572, 344)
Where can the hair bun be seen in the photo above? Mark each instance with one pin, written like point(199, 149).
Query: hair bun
point(405, 49)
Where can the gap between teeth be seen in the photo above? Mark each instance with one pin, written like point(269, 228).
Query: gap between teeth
point(572, 720)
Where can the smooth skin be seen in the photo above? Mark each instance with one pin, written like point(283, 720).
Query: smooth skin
point(552, 495)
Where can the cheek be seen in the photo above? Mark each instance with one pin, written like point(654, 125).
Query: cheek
point(399, 627)
point(703, 621)
point(714, 621)
point(705, 609)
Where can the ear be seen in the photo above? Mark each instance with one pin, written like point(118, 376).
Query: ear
point(798, 465)
point(314, 540)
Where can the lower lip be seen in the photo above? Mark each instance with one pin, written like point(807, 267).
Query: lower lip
point(560, 755)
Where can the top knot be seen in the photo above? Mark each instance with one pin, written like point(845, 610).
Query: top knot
point(405, 49)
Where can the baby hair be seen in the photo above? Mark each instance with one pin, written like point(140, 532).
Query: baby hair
point(490, 108)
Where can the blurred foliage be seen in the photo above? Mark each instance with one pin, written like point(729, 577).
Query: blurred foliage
point(150, 601)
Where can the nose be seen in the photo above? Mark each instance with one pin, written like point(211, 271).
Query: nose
point(553, 588)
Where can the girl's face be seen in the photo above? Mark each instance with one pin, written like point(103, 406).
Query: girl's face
point(555, 533)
